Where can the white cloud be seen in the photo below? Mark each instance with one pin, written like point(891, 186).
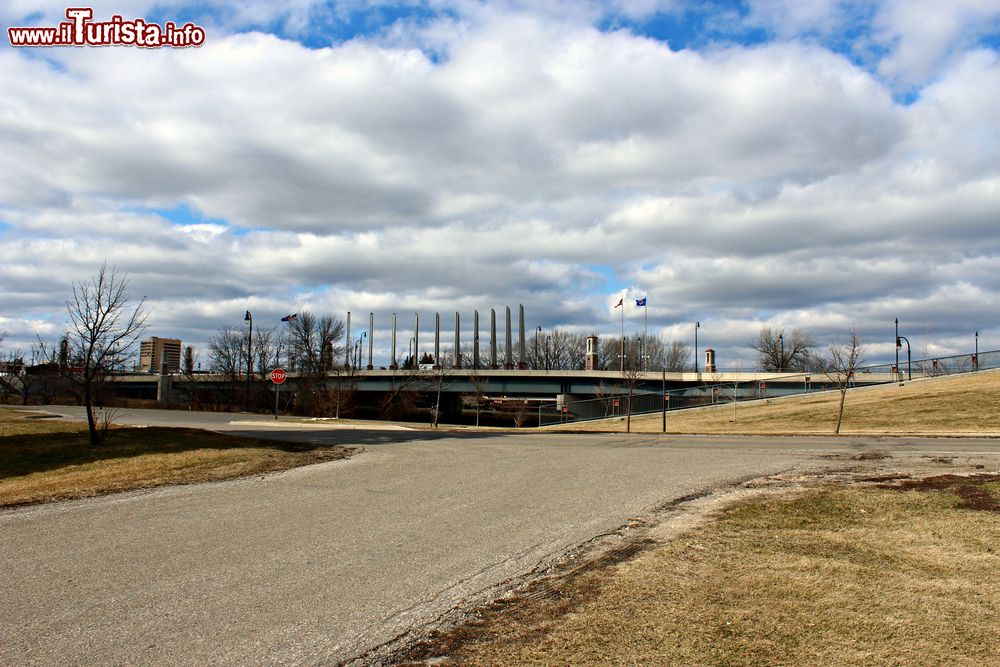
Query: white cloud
point(735, 185)
point(923, 35)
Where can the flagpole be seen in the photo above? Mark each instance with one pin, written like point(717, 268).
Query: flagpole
point(645, 335)
point(623, 336)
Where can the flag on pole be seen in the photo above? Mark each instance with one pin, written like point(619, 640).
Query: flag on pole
point(640, 302)
point(290, 318)
point(621, 301)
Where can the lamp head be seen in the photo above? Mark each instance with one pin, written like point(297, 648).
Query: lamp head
point(247, 317)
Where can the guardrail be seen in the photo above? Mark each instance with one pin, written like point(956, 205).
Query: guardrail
point(618, 403)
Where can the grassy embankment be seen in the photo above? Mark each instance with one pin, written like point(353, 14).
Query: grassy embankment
point(839, 576)
point(48, 459)
point(959, 405)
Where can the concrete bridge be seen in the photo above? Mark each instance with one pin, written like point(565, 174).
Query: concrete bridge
point(564, 391)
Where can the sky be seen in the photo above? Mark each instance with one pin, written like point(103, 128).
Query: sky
point(811, 164)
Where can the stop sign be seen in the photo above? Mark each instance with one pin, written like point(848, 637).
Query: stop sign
point(278, 376)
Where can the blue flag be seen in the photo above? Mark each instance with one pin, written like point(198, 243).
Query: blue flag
point(290, 318)
point(640, 302)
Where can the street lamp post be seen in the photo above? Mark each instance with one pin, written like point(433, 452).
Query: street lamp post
point(976, 366)
point(781, 359)
point(909, 370)
point(359, 350)
point(548, 338)
point(538, 330)
point(697, 325)
point(249, 318)
point(896, 370)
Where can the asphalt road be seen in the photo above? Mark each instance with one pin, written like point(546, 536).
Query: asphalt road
point(319, 565)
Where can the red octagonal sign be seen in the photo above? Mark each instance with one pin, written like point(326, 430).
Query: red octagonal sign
point(278, 376)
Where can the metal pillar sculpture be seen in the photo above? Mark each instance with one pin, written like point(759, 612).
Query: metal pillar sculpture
point(437, 340)
point(458, 342)
point(393, 365)
point(493, 338)
point(475, 339)
point(508, 360)
point(522, 359)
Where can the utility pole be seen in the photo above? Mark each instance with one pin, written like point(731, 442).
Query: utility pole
point(896, 369)
point(249, 318)
point(697, 325)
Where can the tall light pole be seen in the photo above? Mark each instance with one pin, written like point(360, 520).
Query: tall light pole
point(249, 318)
point(359, 350)
point(781, 359)
point(897, 346)
point(976, 365)
point(538, 330)
point(697, 325)
point(909, 370)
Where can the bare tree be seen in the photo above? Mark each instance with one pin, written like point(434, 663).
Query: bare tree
point(103, 329)
point(43, 378)
point(631, 375)
point(607, 394)
point(780, 352)
point(268, 348)
point(317, 343)
point(226, 356)
point(676, 357)
point(11, 374)
point(845, 358)
point(732, 386)
point(479, 384)
point(609, 353)
point(400, 399)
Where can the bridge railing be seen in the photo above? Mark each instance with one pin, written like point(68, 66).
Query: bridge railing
point(619, 404)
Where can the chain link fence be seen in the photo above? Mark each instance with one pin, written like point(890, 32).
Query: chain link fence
point(618, 402)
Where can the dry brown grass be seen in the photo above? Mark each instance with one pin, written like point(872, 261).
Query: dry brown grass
point(960, 405)
point(862, 576)
point(46, 459)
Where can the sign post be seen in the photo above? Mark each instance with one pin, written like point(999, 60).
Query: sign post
point(277, 377)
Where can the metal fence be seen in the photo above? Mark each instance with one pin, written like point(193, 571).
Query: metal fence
point(643, 401)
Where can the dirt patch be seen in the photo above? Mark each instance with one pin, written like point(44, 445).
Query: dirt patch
point(971, 489)
point(873, 455)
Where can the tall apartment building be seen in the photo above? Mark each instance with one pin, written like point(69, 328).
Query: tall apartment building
point(151, 352)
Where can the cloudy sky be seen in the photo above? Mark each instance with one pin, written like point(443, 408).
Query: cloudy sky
point(799, 163)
